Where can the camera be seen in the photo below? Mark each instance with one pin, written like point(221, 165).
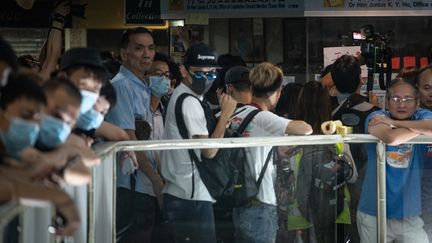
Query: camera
point(377, 54)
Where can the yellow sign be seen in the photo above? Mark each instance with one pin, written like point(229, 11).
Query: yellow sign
point(109, 14)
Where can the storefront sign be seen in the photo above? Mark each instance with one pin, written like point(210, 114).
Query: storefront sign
point(142, 12)
point(335, 5)
point(242, 5)
point(290, 8)
point(232, 8)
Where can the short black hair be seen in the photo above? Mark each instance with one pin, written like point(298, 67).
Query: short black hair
point(112, 66)
point(7, 54)
point(241, 86)
point(20, 85)
point(345, 73)
point(109, 93)
point(227, 61)
point(63, 83)
point(175, 73)
point(128, 32)
point(100, 74)
point(326, 70)
point(160, 57)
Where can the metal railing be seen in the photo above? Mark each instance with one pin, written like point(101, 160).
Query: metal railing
point(100, 217)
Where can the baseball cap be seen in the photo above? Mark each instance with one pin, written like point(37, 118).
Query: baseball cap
point(200, 55)
point(237, 74)
point(81, 56)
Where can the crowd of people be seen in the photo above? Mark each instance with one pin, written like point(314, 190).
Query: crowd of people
point(52, 112)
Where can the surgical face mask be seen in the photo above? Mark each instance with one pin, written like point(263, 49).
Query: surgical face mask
point(88, 100)
point(158, 85)
point(53, 132)
point(5, 75)
point(21, 134)
point(202, 81)
point(90, 120)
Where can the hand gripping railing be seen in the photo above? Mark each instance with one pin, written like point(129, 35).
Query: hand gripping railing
point(101, 199)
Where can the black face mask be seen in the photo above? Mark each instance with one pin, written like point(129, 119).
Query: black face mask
point(200, 85)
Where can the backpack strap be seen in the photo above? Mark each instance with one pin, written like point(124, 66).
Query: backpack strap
point(349, 103)
point(181, 125)
point(263, 170)
point(246, 121)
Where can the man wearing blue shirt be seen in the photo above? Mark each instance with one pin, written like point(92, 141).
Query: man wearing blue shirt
point(137, 193)
point(403, 121)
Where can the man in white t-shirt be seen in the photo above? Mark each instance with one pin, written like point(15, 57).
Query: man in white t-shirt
point(188, 206)
point(257, 221)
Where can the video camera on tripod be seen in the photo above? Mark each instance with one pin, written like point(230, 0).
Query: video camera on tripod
point(377, 54)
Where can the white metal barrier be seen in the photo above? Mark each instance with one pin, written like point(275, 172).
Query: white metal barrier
point(99, 220)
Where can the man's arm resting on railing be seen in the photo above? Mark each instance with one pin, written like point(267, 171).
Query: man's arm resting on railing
point(418, 126)
point(391, 136)
point(297, 127)
point(29, 192)
point(111, 132)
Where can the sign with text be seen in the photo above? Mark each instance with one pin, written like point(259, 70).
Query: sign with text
point(145, 12)
point(335, 5)
point(237, 7)
point(333, 53)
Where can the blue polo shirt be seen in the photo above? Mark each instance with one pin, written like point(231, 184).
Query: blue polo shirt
point(404, 166)
point(133, 103)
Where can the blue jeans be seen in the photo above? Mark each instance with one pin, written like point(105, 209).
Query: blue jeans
point(190, 221)
point(255, 223)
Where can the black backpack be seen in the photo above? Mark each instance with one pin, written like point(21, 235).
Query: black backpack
point(352, 117)
point(227, 176)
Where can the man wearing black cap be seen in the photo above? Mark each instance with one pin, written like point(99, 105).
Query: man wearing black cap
point(238, 85)
point(83, 66)
point(188, 206)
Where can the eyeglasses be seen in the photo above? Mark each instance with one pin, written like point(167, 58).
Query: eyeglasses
point(211, 75)
point(407, 100)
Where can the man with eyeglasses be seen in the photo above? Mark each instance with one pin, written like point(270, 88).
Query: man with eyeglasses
point(188, 206)
point(403, 121)
point(158, 80)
